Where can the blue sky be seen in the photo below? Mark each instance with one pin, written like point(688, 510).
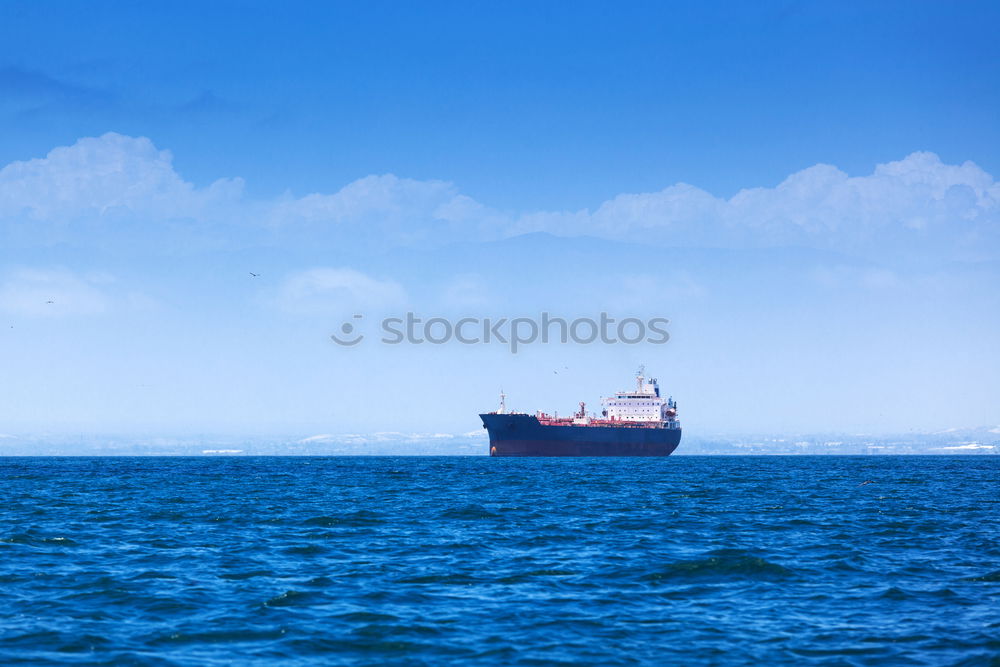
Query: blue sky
point(523, 105)
point(805, 189)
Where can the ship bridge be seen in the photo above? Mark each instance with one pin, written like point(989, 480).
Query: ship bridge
point(642, 404)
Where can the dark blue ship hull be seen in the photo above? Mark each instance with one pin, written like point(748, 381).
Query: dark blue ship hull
point(524, 435)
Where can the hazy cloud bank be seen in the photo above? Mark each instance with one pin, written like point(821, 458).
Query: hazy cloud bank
point(914, 206)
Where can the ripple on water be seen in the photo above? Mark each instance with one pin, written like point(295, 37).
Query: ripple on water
point(294, 598)
point(348, 520)
point(726, 567)
point(469, 513)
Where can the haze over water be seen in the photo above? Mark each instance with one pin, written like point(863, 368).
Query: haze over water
point(413, 561)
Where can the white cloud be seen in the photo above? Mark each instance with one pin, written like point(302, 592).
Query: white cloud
point(336, 290)
point(322, 437)
point(107, 175)
point(386, 206)
point(910, 206)
point(53, 293)
point(119, 177)
point(906, 205)
point(916, 193)
point(386, 198)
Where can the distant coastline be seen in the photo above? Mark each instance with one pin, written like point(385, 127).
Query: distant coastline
point(959, 441)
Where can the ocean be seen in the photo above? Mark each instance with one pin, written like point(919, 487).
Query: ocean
point(794, 560)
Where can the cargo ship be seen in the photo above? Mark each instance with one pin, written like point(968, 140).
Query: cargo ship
point(636, 422)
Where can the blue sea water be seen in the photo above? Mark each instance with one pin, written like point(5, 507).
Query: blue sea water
point(429, 561)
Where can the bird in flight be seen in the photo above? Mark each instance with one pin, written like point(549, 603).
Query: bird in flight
point(255, 275)
point(50, 301)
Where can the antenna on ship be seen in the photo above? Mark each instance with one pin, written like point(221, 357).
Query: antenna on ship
point(503, 403)
point(639, 376)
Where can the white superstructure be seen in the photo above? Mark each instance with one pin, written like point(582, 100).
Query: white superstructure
point(642, 404)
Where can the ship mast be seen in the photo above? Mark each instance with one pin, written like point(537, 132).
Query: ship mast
point(503, 403)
